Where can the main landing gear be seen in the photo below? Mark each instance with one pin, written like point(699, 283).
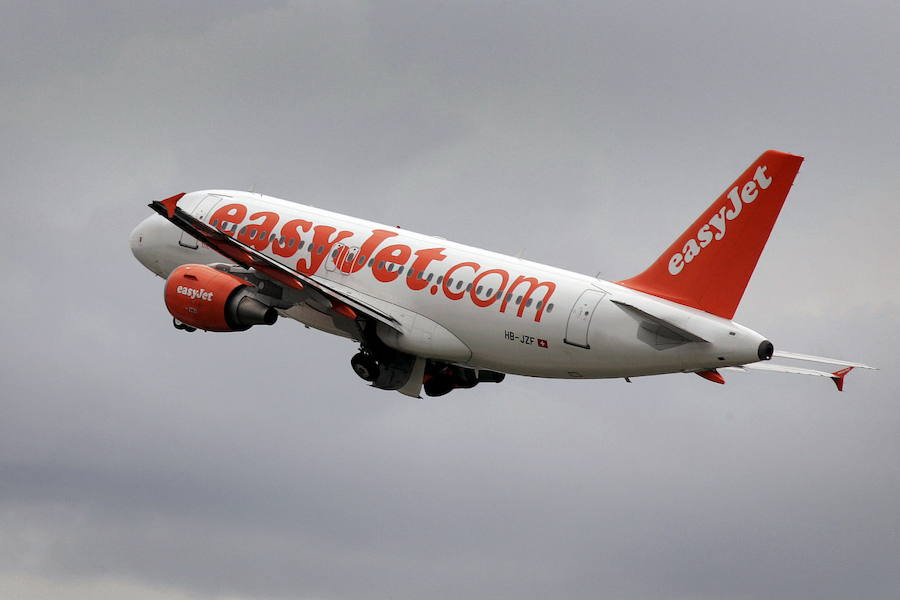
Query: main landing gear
point(443, 378)
point(365, 365)
point(392, 370)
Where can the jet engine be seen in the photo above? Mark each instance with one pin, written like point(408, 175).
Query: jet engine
point(204, 298)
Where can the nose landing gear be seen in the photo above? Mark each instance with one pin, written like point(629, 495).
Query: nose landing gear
point(182, 326)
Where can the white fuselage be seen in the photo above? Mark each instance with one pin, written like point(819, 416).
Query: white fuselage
point(460, 304)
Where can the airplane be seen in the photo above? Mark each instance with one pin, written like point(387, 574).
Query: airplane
point(434, 315)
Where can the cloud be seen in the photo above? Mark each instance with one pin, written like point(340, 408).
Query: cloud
point(139, 461)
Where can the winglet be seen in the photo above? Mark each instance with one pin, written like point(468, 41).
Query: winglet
point(170, 203)
point(712, 375)
point(838, 377)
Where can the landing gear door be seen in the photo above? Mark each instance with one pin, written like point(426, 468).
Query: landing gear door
point(203, 208)
point(580, 318)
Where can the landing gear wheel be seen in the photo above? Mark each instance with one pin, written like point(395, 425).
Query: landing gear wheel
point(440, 384)
point(365, 366)
point(466, 378)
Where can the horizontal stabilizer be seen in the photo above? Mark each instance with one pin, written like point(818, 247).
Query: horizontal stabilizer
point(820, 359)
point(784, 369)
point(837, 377)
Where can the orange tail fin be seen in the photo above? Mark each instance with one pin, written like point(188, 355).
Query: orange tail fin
point(709, 265)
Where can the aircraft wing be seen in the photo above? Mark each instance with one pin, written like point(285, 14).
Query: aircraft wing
point(249, 257)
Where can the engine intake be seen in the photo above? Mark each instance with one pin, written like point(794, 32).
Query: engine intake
point(208, 299)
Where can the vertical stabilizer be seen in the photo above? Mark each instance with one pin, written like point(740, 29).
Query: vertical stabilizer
point(709, 265)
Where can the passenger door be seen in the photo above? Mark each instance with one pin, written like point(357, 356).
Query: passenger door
point(580, 318)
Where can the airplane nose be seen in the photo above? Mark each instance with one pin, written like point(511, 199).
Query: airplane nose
point(146, 240)
point(136, 242)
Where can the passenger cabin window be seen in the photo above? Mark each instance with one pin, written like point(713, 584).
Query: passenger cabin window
point(550, 307)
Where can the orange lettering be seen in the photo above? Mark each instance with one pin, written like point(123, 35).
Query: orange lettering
point(533, 284)
point(447, 291)
point(228, 214)
point(256, 235)
point(397, 254)
point(420, 265)
point(493, 297)
point(365, 251)
point(291, 235)
point(320, 247)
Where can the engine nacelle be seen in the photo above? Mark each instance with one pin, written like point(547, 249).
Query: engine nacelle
point(206, 298)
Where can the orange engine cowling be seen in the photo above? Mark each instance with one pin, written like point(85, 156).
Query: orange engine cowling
point(206, 298)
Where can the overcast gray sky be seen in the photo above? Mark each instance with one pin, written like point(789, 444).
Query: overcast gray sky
point(142, 463)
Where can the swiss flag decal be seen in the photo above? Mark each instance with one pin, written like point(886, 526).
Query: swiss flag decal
point(542, 343)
